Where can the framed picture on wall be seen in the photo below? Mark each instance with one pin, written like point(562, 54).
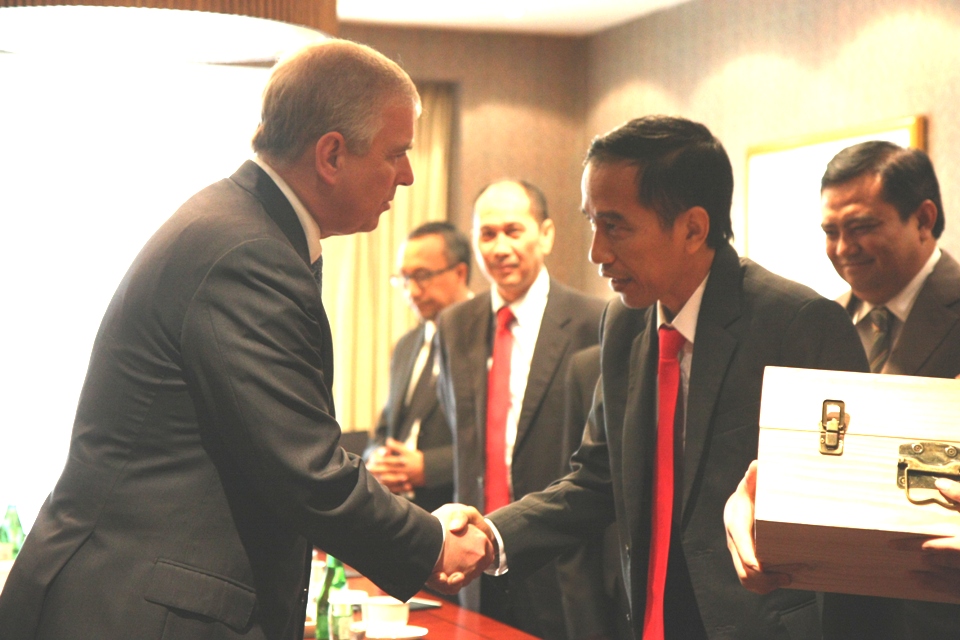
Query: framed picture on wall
point(783, 198)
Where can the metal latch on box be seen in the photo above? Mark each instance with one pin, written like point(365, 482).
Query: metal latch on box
point(921, 463)
point(833, 426)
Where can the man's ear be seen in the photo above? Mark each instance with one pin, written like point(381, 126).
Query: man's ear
point(695, 224)
point(548, 232)
point(926, 215)
point(461, 272)
point(329, 152)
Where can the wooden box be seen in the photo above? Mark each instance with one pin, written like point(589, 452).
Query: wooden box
point(833, 499)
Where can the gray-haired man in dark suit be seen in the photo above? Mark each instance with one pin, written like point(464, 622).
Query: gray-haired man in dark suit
point(204, 462)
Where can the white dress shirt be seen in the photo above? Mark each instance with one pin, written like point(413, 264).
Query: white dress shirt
point(528, 311)
point(429, 330)
point(311, 230)
point(685, 322)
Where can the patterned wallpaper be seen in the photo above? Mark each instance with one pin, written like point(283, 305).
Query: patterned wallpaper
point(522, 108)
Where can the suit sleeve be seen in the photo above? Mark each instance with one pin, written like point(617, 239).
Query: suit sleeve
point(586, 606)
point(821, 336)
point(252, 351)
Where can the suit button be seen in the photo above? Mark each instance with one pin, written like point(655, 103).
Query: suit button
point(626, 549)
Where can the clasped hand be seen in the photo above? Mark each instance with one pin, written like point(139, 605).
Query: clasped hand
point(468, 548)
point(397, 468)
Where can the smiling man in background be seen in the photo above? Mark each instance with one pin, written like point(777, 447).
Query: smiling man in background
point(882, 215)
point(504, 357)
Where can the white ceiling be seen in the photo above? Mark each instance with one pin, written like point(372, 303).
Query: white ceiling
point(558, 17)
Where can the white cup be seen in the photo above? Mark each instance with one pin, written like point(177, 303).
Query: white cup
point(383, 615)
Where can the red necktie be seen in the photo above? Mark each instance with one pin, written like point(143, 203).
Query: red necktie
point(668, 384)
point(496, 492)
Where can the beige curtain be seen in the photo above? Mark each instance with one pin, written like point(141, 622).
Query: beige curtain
point(367, 315)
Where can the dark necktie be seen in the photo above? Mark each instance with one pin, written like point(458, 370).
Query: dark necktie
point(668, 387)
point(880, 320)
point(317, 269)
point(496, 484)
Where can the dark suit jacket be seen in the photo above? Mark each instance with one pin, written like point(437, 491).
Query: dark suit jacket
point(396, 420)
point(594, 601)
point(929, 345)
point(749, 319)
point(465, 334)
point(204, 464)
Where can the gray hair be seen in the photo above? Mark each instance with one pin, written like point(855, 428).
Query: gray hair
point(334, 85)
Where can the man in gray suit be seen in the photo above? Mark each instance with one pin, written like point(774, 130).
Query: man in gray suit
point(657, 191)
point(882, 215)
point(204, 461)
point(548, 323)
point(411, 449)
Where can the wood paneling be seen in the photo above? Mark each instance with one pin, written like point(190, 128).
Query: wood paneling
point(317, 14)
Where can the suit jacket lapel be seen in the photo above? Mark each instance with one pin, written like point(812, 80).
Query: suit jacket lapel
point(408, 358)
point(639, 423)
point(551, 345)
point(424, 398)
point(930, 320)
point(713, 349)
point(475, 361)
point(255, 180)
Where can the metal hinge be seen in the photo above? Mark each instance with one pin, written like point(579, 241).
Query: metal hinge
point(919, 466)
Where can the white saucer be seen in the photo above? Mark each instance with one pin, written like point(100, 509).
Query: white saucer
point(398, 633)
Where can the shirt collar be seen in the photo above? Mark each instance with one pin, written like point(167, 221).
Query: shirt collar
point(310, 227)
point(901, 304)
point(429, 330)
point(685, 321)
point(530, 305)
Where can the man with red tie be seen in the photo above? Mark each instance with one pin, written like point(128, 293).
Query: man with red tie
point(675, 417)
point(504, 356)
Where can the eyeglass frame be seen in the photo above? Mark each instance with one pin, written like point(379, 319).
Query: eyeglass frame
point(420, 276)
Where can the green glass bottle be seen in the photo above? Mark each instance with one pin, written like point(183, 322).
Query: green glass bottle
point(10, 530)
point(334, 579)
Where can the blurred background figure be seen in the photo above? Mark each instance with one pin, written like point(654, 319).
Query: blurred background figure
point(411, 451)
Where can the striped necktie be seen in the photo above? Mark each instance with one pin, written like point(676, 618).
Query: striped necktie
point(880, 320)
point(317, 269)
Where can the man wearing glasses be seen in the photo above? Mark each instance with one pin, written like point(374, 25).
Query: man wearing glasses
point(410, 451)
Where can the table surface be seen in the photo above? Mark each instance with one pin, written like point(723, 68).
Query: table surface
point(448, 621)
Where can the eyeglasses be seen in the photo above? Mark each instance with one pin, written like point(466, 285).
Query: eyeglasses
point(420, 276)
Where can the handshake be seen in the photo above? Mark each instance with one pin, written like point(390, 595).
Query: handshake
point(469, 547)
